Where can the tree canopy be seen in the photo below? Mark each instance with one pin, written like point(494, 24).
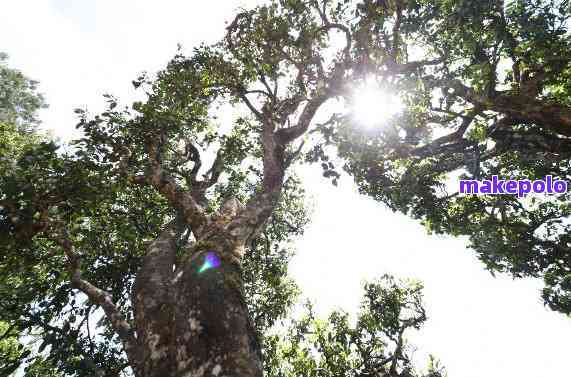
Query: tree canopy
point(374, 344)
point(19, 100)
point(488, 95)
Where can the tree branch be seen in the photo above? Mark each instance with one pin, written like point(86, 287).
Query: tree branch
point(216, 169)
point(194, 156)
point(328, 25)
point(554, 117)
point(396, 31)
point(181, 200)
point(286, 135)
point(242, 93)
point(97, 295)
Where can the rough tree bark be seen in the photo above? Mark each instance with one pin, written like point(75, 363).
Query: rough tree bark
point(192, 321)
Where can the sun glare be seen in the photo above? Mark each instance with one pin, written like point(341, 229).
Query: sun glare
point(372, 105)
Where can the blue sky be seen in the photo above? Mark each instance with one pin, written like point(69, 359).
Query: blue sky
point(478, 325)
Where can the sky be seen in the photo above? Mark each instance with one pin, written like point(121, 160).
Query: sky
point(478, 325)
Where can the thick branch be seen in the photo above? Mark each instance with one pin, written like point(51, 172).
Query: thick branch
point(286, 135)
point(531, 110)
point(181, 200)
point(454, 139)
point(396, 31)
point(249, 222)
point(529, 142)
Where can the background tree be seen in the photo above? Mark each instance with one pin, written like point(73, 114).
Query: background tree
point(372, 345)
point(19, 99)
point(19, 102)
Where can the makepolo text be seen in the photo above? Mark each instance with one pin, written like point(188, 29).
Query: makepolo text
point(496, 186)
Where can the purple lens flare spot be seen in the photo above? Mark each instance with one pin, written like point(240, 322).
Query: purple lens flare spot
point(211, 260)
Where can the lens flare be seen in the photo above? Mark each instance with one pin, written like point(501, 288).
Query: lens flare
point(373, 105)
point(211, 260)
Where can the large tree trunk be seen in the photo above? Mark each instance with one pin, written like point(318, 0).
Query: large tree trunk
point(193, 321)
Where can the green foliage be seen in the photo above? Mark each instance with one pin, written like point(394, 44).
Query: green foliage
point(479, 99)
point(19, 100)
point(373, 344)
point(11, 351)
point(18, 146)
point(269, 291)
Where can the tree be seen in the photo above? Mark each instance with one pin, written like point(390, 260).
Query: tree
point(488, 94)
point(19, 99)
point(159, 247)
point(19, 102)
point(375, 345)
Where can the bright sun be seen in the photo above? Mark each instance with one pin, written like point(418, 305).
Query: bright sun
point(373, 105)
